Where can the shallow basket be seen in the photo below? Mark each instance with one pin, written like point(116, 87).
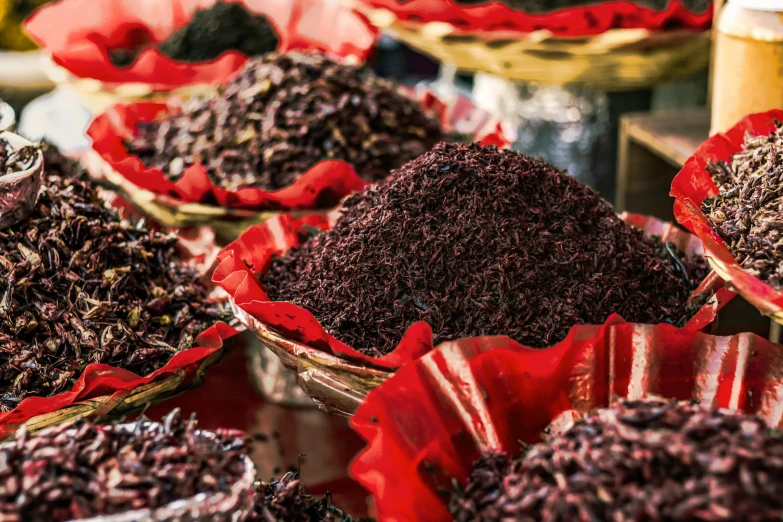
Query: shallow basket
point(228, 223)
point(616, 60)
point(123, 402)
point(339, 385)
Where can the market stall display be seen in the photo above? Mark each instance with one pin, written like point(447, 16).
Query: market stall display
point(454, 244)
point(263, 144)
point(725, 194)
point(84, 41)
point(97, 309)
point(508, 344)
point(427, 425)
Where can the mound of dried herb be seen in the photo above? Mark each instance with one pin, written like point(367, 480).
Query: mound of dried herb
point(637, 461)
point(83, 470)
point(211, 32)
point(287, 499)
point(747, 211)
point(548, 6)
point(479, 241)
point(78, 285)
point(280, 116)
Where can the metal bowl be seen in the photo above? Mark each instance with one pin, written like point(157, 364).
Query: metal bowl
point(19, 191)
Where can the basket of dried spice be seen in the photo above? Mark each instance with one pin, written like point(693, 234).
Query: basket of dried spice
point(727, 195)
point(101, 316)
point(291, 132)
point(610, 46)
point(463, 241)
point(689, 429)
point(147, 471)
point(132, 49)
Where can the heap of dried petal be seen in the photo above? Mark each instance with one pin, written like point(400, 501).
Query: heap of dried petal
point(649, 460)
point(83, 470)
point(748, 211)
point(479, 241)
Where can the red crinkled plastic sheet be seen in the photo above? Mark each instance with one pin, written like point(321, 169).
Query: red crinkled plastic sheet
point(428, 423)
point(693, 184)
point(495, 18)
point(100, 379)
point(329, 180)
point(251, 254)
point(77, 33)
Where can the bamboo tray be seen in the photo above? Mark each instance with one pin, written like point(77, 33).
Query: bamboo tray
point(228, 223)
point(123, 402)
point(617, 60)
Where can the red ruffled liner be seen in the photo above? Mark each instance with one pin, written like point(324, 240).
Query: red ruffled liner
point(198, 250)
point(252, 253)
point(494, 18)
point(77, 34)
point(428, 423)
point(99, 380)
point(693, 184)
point(328, 180)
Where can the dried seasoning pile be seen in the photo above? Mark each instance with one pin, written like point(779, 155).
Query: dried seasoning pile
point(280, 116)
point(748, 211)
point(82, 470)
point(548, 6)
point(210, 33)
point(637, 461)
point(287, 499)
point(478, 241)
point(13, 161)
point(78, 285)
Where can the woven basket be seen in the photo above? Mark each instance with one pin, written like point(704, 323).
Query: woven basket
point(124, 403)
point(617, 60)
point(228, 223)
point(339, 385)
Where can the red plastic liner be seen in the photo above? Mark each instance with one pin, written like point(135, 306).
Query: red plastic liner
point(99, 380)
point(428, 423)
point(331, 180)
point(693, 184)
point(251, 254)
point(494, 17)
point(77, 34)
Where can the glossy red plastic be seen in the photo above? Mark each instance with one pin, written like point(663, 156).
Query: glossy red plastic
point(251, 254)
point(328, 180)
point(693, 184)
point(78, 33)
point(427, 424)
point(493, 18)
